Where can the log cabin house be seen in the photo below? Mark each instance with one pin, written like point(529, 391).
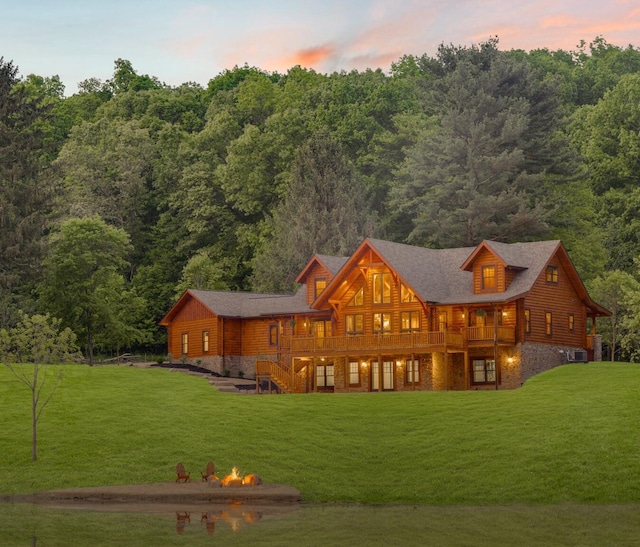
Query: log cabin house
point(394, 317)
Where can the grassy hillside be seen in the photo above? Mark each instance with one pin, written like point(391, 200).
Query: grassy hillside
point(569, 435)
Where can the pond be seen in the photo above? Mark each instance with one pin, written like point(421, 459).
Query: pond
point(318, 524)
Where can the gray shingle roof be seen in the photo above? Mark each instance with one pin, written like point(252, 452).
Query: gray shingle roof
point(435, 274)
point(247, 304)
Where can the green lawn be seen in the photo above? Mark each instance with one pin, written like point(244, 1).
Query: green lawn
point(571, 435)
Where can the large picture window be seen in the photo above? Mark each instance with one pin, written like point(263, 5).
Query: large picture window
point(354, 323)
point(382, 288)
point(484, 371)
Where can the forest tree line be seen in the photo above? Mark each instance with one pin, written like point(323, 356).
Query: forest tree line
point(119, 197)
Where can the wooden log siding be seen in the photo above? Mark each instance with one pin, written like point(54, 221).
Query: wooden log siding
point(561, 300)
point(191, 320)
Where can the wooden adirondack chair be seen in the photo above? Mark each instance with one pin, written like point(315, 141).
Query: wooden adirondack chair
point(183, 476)
point(208, 472)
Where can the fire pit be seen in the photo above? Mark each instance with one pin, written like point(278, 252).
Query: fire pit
point(235, 480)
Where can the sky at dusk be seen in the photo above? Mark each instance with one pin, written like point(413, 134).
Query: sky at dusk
point(181, 41)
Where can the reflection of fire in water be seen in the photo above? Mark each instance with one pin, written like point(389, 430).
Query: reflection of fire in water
point(234, 517)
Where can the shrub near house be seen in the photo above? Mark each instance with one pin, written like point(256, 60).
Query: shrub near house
point(393, 317)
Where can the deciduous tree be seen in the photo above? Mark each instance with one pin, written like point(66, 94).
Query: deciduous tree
point(29, 350)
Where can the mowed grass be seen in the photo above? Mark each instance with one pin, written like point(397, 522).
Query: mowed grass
point(571, 435)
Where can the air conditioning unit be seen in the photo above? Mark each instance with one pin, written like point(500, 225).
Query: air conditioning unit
point(580, 356)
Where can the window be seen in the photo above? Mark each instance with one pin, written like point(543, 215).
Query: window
point(354, 373)
point(382, 322)
point(273, 335)
point(410, 321)
point(527, 321)
point(442, 321)
point(205, 341)
point(322, 329)
point(413, 371)
point(324, 376)
point(358, 298)
point(354, 324)
point(484, 371)
point(552, 274)
point(488, 277)
point(548, 320)
point(319, 285)
point(572, 322)
point(406, 294)
point(382, 288)
point(185, 344)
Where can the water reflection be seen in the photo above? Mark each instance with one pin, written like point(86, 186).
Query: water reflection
point(234, 516)
point(319, 525)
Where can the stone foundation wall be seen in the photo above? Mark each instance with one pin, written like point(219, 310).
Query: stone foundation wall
point(231, 365)
point(537, 358)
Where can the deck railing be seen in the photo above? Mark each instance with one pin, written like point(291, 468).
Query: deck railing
point(402, 341)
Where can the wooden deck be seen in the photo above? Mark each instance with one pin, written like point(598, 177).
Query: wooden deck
point(418, 342)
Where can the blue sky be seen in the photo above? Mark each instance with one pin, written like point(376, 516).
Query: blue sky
point(194, 40)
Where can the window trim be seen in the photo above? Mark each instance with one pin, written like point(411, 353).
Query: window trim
point(273, 334)
point(205, 341)
point(494, 277)
point(319, 281)
point(551, 274)
point(355, 330)
point(486, 369)
point(184, 343)
point(378, 294)
point(548, 323)
point(412, 371)
point(382, 329)
point(355, 372)
point(411, 314)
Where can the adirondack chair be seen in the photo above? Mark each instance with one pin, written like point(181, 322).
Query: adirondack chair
point(208, 472)
point(183, 476)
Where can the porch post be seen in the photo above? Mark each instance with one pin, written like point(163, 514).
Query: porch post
point(380, 372)
point(466, 370)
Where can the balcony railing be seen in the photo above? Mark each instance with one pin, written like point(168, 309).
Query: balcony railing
point(402, 341)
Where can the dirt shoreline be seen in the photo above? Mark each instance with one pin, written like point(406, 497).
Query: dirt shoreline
point(192, 493)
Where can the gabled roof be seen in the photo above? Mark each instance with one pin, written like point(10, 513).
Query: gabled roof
point(330, 263)
point(443, 276)
point(438, 276)
point(244, 304)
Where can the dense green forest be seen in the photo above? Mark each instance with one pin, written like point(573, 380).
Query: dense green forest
point(117, 198)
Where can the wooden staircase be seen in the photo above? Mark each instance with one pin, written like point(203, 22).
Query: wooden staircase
point(283, 376)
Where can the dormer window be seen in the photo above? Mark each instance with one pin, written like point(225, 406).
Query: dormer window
point(320, 285)
point(489, 277)
point(552, 274)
